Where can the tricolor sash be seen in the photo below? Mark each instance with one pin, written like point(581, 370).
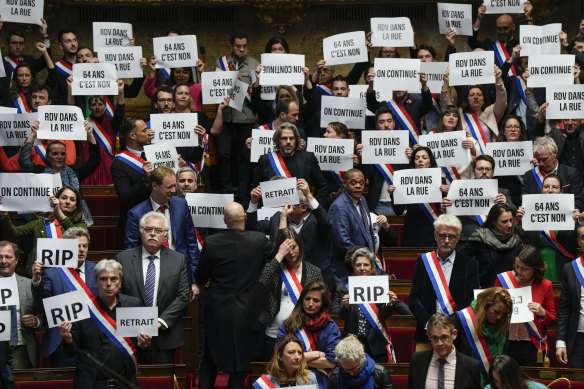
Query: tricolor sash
point(291, 282)
point(109, 107)
point(324, 89)
point(439, 283)
point(199, 240)
point(102, 137)
point(477, 341)
point(386, 171)
point(41, 151)
point(264, 127)
point(502, 55)
point(521, 86)
point(552, 240)
point(53, 229)
point(131, 160)
point(278, 164)
point(430, 211)
point(379, 263)
point(405, 120)
point(21, 104)
point(165, 72)
point(508, 280)
point(307, 339)
point(451, 173)
point(338, 176)
point(481, 219)
point(373, 316)
point(12, 62)
point(64, 68)
point(476, 130)
point(539, 176)
point(578, 265)
point(263, 383)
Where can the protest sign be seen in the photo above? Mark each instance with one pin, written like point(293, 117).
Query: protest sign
point(69, 307)
point(332, 154)
point(177, 129)
point(538, 40)
point(346, 110)
point(417, 186)
point(384, 147)
point(26, 192)
point(565, 101)
point(345, 48)
point(548, 212)
point(207, 208)
point(162, 154)
point(511, 158)
point(177, 51)
point(57, 183)
point(359, 91)
point(2, 73)
point(15, 128)
point(261, 143)
point(504, 6)
point(268, 92)
point(57, 252)
point(278, 192)
point(393, 32)
point(455, 16)
point(125, 59)
point(217, 86)
point(61, 122)
point(5, 325)
point(22, 11)
point(282, 69)
point(472, 68)
point(435, 72)
point(370, 289)
point(133, 321)
point(472, 197)
point(111, 34)
point(94, 79)
point(548, 70)
point(266, 213)
point(447, 147)
point(8, 110)
point(8, 291)
point(396, 74)
point(521, 297)
point(238, 94)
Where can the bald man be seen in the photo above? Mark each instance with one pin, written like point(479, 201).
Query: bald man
point(233, 259)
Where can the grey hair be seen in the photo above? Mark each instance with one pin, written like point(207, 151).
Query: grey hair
point(447, 220)
point(349, 349)
point(278, 134)
point(545, 141)
point(185, 169)
point(440, 320)
point(362, 252)
point(76, 232)
point(108, 265)
point(156, 215)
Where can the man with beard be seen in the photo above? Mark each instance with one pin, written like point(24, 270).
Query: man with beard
point(58, 80)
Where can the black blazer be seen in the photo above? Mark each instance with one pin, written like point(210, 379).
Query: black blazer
point(569, 314)
point(6, 376)
point(422, 300)
point(570, 177)
point(466, 375)
point(568, 239)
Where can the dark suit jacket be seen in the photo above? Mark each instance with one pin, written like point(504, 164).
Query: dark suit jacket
point(559, 137)
point(172, 295)
point(466, 375)
point(6, 376)
point(570, 177)
point(422, 300)
point(569, 313)
point(181, 226)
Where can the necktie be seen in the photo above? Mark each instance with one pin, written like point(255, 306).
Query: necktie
point(441, 362)
point(13, 325)
point(162, 209)
point(367, 225)
point(150, 281)
point(78, 271)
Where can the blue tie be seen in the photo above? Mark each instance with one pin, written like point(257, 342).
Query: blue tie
point(150, 281)
point(13, 325)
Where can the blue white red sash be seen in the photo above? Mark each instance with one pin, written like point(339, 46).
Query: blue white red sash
point(131, 160)
point(481, 219)
point(278, 164)
point(502, 55)
point(307, 340)
point(539, 176)
point(405, 120)
point(552, 240)
point(521, 86)
point(439, 283)
point(373, 316)
point(451, 173)
point(12, 62)
point(508, 280)
point(477, 341)
point(20, 104)
point(338, 176)
point(264, 127)
point(379, 263)
point(578, 265)
point(64, 68)
point(98, 315)
point(386, 171)
point(324, 89)
point(41, 151)
point(263, 383)
point(53, 229)
point(102, 137)
point(476, 130)
point(109, 107)
point(291, 282)
point(430, 211)
point(199, 240)
point(165, 72)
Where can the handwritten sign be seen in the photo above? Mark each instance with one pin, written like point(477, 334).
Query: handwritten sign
point(69, 307)
point(8, 291)
point(22, 11)
point(548, 70)
point(238, 94)
point(175, 51)
point(538, 40)
point(111, 34)
point(15, 128)
point(521, 297)
point(346, 110)
point(447, 147)
point(332, 154)
point(177, 129)
point(217, 86)
point(472, 68)
point(455, 16)
point(125, 59)
point(548, 212)
point(396, 74)
point(5, 325)
point(277, 192)
point(345, 48)
point(26, 192)
point(417, 186)
point(162, 154)
point(369, 289)
point(261, 143)
point(133, 321)
point(504, 6)
point(61, 122)
point(393, 32)
point(57, 252)
point(94, 79)
point(511, 158)
point(384, 147)
point(472, 197)
point(282, 69)
point(565, 101)
point(207, 208)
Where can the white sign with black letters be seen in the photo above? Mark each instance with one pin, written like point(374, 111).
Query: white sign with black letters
point(94, 79)
point(177, 51)
point(396, 74)
point(268, 92)
point(565, 101)
point(278, 192)
point(178, 129)
point(435, 72)
point(8, 291)
point(504, 6)
point(332, 154)
point(162, 154)
point(511, 158)
point(26, 192)
point(238, 93)
point(472, 68)
point(521, 297)
point(369, 289)
point(22, 11)
point(61, 122)
point(455, 16)
point(538, 40)
point(111, 34)
point(207, 209)
point(125, 59)
point(548, 212)
point(346, 110)
point(472, 197)
point(392, 32)
point(345, 48)
point(57, 252)
point(5, 325)
point(384, 147)
point(217, 86)
point(282, 69)
point(547, 70)
point(359, 91)
point(133, 321)
point(261, 143)
point(447, 147)
point(57, 183)
point(71, 307)
point(15, 128)
point(414, 186)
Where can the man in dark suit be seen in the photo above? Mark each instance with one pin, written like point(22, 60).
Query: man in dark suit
point(443, 366)
point(545, 151)
point(299, 164)
point(49, 282)
point(130, 171)
point(570, 142)
point(6, 376)
point(182, 236)
point(461, 274)
point(570, 332)
point(15, 42)
point(88, 336)
point(232, 329)
point(157, 276)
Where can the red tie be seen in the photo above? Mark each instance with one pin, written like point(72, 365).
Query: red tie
point(162, 209)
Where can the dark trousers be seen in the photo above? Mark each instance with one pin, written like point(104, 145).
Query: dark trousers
point(523, 351)
point(268, 349)
point(208, 374)
point(576, 360)
point(240, 154)
point(154, 355)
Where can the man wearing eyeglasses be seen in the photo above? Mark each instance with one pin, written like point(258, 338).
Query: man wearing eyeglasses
point(157, 276)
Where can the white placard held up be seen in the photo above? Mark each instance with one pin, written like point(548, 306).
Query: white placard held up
point(282, 69)
point(417, 186)
point(162, 154)
point(472, 68)
point(345, 48)
point(15, 128)
point(71, 307)
point(238, 93)
point(8, 291)
point(548, 212)
point(207, 208)
point(447, 147)
point(435, 72)
point(521, 297)
point(133, 321)
point(368, 289)
point(57, 183)
point(538, 40)
point(359, 91)
point(26, 192)
point(278, 192)
point(217, 86)
point(111, 34)
point(178, 129)
point(472, 197)
point(504, 6)
point(22, 11)
point(346, 110)
point(8, 110)
point(332, 154)
point(392, 32)
point(384, 147)
point(396, 74)
point(177, 51)
point(548, 70)
point(57, 252)
point(268, 92)
point(125, 59)
point(455, 16)
point(261, 143)
point(511, 158)
point(565, 101)
point(61, 122)
point(266, 213)
point(5, 325)
point(94, 79)
point(3, 74)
